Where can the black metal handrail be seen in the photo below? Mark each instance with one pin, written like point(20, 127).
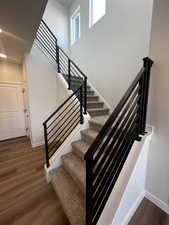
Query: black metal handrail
point(68, 67)
point(47, 40)
point(63, 121)
point(108, 153)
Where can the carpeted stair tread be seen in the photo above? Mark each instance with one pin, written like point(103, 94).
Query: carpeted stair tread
point(90, 92)
point(89, 135)
point(75, 167)
point(92, 98)
point(71, 197)
point(98, 111)
point(75, 86)
point(98, 122)
point(73, 78)
point(69, 179)
point(95, 104)
point(80, 148)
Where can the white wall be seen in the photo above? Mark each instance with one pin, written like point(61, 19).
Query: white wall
point(158, 166)
point(10, 72)
point(57, 18)
point(135, 189)
point(111, 52)
point(47, 90)
point(42, 91)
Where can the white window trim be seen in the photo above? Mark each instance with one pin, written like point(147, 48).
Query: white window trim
point(75, 13)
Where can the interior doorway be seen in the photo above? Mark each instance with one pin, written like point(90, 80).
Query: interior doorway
point(12, 112)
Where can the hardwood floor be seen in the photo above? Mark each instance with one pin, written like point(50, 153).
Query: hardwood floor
point(25, 197)
point(149, 214)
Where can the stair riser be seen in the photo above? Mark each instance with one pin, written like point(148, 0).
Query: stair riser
point(71, 198)
point(99, 112)
point(95, 105)
point(95, 126)
point(76, 86)
point(76, 82)
point(73, 175)
point(89, 92)
point(73, 78)
point(92, 98)
point(78, 152)
point(87, 138)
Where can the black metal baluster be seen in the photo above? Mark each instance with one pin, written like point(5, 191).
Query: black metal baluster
point(85, 95)
point(141, 106)
point(81, 104)
point(89, 189)
point(46, 145)
point(69, 74)
point(56, 50)
point(58, 58)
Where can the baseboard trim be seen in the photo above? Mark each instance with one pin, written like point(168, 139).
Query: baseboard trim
point(37, 144)
point(158, 202)
point(133, 209)
point(145, 194)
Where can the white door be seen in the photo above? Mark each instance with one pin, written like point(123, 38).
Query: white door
point(12, 118)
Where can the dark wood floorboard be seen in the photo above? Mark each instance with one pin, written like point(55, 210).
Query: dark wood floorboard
point(25, 197)
point(149, 214)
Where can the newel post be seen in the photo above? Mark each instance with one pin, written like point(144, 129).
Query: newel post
point(145, 92)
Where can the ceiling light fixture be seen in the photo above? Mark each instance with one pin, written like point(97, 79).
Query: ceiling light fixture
point(3, 56)
point(0, 30)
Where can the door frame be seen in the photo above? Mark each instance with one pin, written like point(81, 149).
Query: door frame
point(22, 85)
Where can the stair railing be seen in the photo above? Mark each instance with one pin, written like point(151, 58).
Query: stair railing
point(67, 67)
point(108, 153)
point(59, 125)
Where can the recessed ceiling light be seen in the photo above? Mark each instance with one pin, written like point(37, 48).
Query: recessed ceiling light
point(0, 30)
point(3, 56)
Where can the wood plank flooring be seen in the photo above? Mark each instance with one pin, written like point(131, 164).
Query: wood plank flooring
point(149, 214)
point(25, 197)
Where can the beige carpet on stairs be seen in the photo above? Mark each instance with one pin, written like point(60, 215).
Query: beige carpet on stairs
point(69, 179)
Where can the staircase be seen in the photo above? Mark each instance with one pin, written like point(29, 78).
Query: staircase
point(88, 174)
point(94, 105)
point(71, 175)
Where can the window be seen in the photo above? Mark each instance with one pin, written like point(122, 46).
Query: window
point(97, 11)
point(75, 26)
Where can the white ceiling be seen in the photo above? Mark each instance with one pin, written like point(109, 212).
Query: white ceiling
point(66, 3)
point(19, 20)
